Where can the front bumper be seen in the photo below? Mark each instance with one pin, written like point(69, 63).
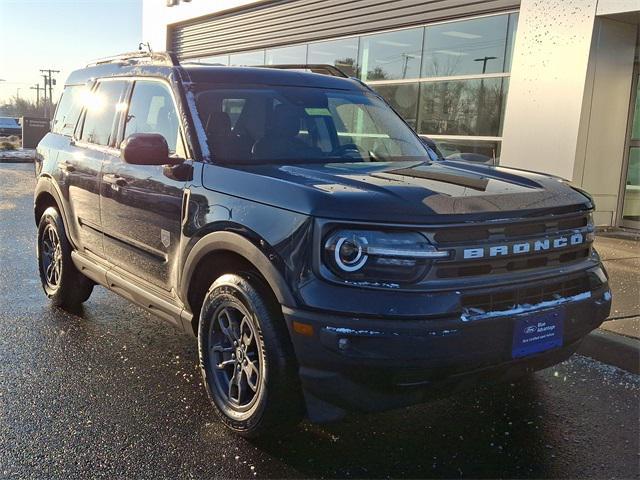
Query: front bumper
point(372, 364)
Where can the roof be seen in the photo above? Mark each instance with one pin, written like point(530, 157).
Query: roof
point(163, 65)
point(267, 76)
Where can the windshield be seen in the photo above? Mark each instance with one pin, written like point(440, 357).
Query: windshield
point(284, 125)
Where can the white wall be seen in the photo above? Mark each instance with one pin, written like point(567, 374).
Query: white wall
point(548, 75)
point(156, 16)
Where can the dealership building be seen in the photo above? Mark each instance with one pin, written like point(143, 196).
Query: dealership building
point(546, 85)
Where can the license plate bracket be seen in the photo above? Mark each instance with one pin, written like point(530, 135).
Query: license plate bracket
point(537, 332)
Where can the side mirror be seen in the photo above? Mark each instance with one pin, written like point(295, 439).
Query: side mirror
point(145, 149)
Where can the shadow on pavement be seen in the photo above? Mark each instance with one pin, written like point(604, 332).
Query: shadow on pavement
point(468, 435)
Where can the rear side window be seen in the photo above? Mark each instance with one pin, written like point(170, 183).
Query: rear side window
point(151, 110)
point(69, 109)
point(102, 104)
point(233, 107)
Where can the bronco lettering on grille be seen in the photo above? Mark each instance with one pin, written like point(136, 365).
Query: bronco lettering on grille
point(525, 247)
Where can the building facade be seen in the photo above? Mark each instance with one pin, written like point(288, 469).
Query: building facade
point(546, 85)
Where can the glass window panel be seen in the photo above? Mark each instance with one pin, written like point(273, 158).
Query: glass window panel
point(631, 206)
point(101, 107)
point(462, 107)
point(287, 55)
point(635, 129)
point(69, 109)
point(278, 125)
point(470, 150)
point(339, 53)
point(503, 108)
point(466, 47)
point(403, 98)
point(233, 107)
point(390, 56)
point(218, 59)
point(247, 58)
point(511, 36)
point(152, 111)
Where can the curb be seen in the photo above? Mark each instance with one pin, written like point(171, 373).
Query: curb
point(612, 349)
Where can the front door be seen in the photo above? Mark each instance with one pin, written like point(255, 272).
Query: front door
point(81, 163)
point(142, 204)
point(630, 193)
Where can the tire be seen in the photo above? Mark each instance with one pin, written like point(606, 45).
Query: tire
point(64, 285)
point(266, 397)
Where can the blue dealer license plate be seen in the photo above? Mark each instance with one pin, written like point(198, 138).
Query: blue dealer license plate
point(536, 332)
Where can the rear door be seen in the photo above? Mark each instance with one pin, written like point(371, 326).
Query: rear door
point(142, 204)
point(80, 162)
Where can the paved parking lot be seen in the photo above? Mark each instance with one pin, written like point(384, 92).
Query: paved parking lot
point(115, 392)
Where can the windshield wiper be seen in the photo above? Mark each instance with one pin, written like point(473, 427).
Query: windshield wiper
point(376, 157)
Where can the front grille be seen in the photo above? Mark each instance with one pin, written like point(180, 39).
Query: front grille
point(466, 234)
point(459, 238)
point(507, 299)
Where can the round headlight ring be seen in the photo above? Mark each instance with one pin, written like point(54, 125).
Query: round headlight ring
point(360, 259)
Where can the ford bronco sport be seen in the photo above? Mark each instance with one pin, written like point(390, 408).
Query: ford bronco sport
point(326, 257)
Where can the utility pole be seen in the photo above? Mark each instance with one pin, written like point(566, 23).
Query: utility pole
point(45, 105)
point(50, 82)
point(481, 99)
point(405, 63)
point(484, 61)
point(36, 87)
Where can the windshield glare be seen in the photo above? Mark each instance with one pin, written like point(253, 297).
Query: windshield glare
point(284, 125)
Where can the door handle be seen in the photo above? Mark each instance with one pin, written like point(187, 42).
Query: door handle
point(66, 166)
point(114, 179)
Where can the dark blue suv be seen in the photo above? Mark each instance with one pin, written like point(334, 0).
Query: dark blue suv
point(326, 257)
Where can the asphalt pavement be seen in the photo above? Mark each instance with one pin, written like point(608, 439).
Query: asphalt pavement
point(115, 392)
point(620, 254)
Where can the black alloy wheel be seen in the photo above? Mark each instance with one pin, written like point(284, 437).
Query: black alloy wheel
point(61, 281)
point(246, 357)
point(235, 356)
point(51, 257)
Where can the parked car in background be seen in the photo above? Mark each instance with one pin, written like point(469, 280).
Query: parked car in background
point(326, 259)
point(10, 126)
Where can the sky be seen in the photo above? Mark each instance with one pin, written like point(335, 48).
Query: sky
point(61, 35)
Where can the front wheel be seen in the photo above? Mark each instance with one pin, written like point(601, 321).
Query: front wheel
point(246, 358)
point(64, 285)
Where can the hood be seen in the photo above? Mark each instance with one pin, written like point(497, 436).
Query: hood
point(399, 192)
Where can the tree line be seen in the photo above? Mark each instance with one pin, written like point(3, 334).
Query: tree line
point(22, 107)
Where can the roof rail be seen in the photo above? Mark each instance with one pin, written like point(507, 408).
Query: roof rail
point(323, 69)
point(166, 58)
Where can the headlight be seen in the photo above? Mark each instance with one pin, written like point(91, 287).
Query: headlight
point(376, 256)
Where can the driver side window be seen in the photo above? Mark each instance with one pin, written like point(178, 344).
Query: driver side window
point(152, 111)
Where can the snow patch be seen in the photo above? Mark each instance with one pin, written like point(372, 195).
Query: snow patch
point(373, 284)
point(351, 331)
point(197, 124)
point(442, 333)
point(478, 313)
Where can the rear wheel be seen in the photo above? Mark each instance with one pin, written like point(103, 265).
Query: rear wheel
point(246, 358)
point(61, 281)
